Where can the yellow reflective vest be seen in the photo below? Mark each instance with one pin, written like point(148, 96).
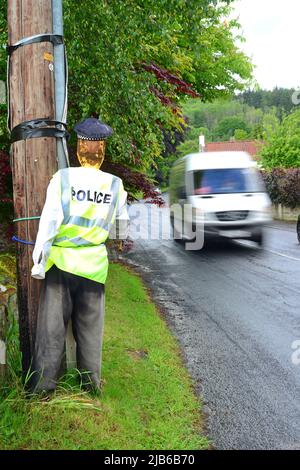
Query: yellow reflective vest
point(81, 206)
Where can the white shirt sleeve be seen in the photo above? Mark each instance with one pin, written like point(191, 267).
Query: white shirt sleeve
point(50, 222)
point(122, 213)
point(120, 228)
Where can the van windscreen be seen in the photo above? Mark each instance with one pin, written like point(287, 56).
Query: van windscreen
point(227, 180)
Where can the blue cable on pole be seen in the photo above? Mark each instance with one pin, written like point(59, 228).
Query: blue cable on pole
point(15, 239)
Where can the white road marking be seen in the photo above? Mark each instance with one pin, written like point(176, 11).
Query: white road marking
point(243, 243)
point(281, 254)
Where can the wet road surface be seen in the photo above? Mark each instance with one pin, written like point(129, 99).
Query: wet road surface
point(235, 311)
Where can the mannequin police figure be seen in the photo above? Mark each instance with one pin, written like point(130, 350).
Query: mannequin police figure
point(82, 204)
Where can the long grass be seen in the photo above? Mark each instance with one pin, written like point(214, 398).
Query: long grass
point(147, 400)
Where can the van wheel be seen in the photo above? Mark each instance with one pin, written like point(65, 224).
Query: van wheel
point(258, 238)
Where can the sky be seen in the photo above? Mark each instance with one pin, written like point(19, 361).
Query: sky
point(272, 32)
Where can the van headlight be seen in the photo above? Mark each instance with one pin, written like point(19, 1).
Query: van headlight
point(264, 214)
point(209, 217)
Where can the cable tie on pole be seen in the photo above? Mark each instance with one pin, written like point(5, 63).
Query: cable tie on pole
point(25, 242)
point(26, 218)
point(55, 39)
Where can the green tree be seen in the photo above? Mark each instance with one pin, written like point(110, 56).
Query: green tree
point(278, 98)
point(209, 115)
point(241, 134)
point(131, 61)
point(227, 127)
point(188, 146)
point(195, 132)
point(282, 148)
point(270, 124)
point(137, 72)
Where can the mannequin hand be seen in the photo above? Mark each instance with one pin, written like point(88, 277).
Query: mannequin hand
point(38, 271)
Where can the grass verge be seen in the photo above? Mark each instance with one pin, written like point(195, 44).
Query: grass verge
point(147, 401)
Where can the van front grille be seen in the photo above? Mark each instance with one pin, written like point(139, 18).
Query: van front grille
point(232, 216)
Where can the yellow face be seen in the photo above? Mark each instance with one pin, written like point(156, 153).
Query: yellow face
point(91, 153)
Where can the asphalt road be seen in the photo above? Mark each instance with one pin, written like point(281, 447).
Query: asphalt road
point(235, 311)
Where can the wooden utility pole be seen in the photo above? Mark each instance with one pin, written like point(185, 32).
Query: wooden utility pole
point(31, 87)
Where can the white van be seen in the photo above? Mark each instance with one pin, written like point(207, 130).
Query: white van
point(225, 192)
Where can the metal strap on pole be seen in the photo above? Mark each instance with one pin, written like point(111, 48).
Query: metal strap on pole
point(55, 39)
point(60, 81)
point(39, 128)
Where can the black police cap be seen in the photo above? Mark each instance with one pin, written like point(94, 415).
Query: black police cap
point(92, 129)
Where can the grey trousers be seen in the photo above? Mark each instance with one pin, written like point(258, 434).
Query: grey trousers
point(66, 296)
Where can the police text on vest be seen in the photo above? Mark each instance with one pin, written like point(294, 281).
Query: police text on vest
point(88, 195)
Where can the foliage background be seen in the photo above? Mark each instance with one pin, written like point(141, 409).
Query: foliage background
point(283, 186)
point(134, 75)
point(131, 61)
point(282, 144)
point(223, 120)
point(253, 115)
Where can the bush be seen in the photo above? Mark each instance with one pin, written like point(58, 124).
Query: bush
point(283, 186)
point(5, 178)
point(282, 144)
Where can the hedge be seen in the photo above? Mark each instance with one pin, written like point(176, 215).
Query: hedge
point(283, 186)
